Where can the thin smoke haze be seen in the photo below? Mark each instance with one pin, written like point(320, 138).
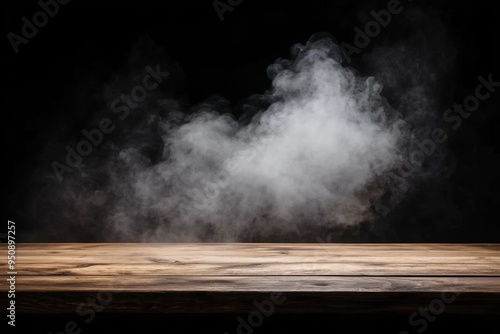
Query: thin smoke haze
point(315, 156)
point(307, 159)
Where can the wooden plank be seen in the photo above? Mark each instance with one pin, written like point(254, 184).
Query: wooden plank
point(219, 278)
point(260, 259)
point(378, 268)
point(153, 283)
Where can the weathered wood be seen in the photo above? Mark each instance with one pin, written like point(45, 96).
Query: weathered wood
point(161, 283)
point(218, 278)
point(260, 259)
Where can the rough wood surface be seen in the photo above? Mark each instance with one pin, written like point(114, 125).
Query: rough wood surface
point(205, 278)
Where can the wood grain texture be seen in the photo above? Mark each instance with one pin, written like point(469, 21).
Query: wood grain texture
point(205, 278)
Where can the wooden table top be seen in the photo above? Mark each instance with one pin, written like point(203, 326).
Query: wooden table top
point(228, 277)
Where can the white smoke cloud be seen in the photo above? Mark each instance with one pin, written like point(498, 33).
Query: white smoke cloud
point(313, 157)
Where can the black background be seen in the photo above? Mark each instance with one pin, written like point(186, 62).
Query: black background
point(88, 41)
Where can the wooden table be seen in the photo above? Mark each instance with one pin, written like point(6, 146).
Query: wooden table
point(230, 278)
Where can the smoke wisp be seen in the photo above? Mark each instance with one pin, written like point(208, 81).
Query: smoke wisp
point(314, 157)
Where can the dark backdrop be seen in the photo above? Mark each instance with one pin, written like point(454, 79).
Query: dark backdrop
point(88, 41)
